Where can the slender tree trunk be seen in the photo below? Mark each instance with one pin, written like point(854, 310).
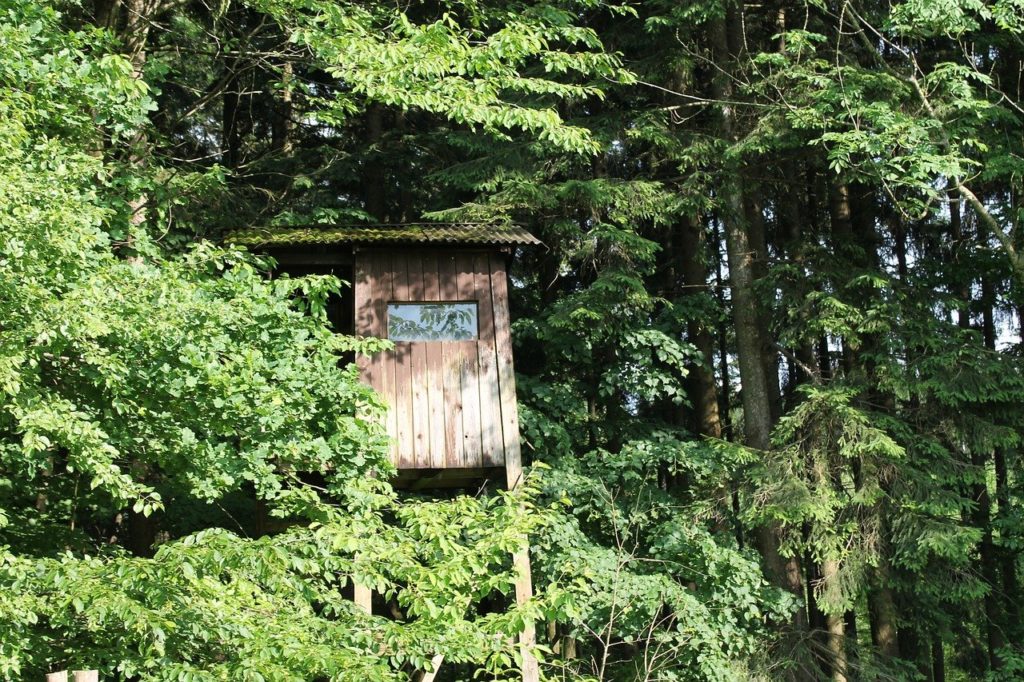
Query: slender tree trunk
point(835, 629)
point(882, 610)
point(853, 213)
point(938, 660)
point(850, 621)
point(982, 519)
point(757, 413)
point(700, 383)
point(230, 140)
point(283, 127)
point(750, 336)
point(753, 214)
point(815, 616)
point(725, 392)
point(842, 245)
point(792, 222)
point(139, 17)
point(982, 513)
point(373, 176)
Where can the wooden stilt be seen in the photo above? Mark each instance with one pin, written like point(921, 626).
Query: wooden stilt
point(86, 676)
point(363, 597)
point(435, 665)
point(521, 565)
point(528, 637)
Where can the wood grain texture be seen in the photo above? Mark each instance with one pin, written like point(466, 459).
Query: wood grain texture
point(369, 318)
point(451, 369)
point(451, 403)
point(471, 453)
point(364, 294)
point(435, 370)
point(384, 292)
point(506, 372)
point(492, 447)
point(419, 405)
point(403, 372)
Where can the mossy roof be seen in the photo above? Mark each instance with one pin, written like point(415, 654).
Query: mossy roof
point(405, 233)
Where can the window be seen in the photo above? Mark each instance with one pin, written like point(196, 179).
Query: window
point(442, 321)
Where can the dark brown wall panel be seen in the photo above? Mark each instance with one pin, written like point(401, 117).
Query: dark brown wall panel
point(451, 403)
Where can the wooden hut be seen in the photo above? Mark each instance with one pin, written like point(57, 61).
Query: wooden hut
point(439, 292)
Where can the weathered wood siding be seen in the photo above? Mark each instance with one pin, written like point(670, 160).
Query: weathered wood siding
point(451, 403)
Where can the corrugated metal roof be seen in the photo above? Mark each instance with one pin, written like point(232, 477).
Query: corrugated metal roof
point(416, 233)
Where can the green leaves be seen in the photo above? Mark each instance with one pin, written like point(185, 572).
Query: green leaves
point(144, 388)
point(478, 76)
point(214, 605)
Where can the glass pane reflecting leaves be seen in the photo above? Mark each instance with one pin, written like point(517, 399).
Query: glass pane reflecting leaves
point(432, 321)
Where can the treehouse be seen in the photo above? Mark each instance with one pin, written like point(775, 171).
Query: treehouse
point(439, 292)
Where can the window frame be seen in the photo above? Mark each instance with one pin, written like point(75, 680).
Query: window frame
point(476, 329)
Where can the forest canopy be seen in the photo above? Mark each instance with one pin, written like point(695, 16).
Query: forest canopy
point(768, 359)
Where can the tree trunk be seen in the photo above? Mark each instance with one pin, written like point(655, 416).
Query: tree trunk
point(938, 660)
point(700, 382)
point(982, 519)
point(230, 146)
point(883, 614)
point(982, 513)
point(138, 17)
point(283, 125)
point(834, 628)
point(836, 644)
point(373, 176)
point(753, 213)
point(750, 335)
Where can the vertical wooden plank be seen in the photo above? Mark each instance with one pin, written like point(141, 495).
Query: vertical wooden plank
point(380, 271)
point(506, 373)
point(370, 273)
point(403, 371)
point(471, 455)
point(435, 665)
point(363, 597)
point(383, 293)
point(372, 291)
point(451, 361)
point(492, 445)
point(374, 322)
point(528, 636)
point(61, 676)
point(435, 368)
point(418, 363)
point(364, 311)
point(86, 676)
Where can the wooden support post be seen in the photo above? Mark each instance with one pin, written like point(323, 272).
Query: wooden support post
point(435, 665)
point(528, 637)
point(77, 676)
point(524, 582)
point(513, 453)
point(363, 597)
